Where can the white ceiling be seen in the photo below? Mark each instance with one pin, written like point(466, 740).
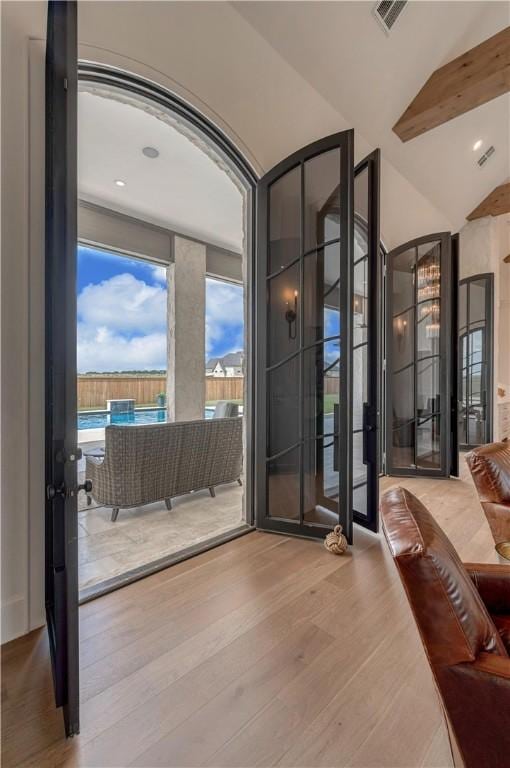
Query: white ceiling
point(370, 78)
point(302, 70)
point(182, 189)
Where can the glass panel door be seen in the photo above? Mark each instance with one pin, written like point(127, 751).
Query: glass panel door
point(365, 353)
point(418, 327)
point(304, 261)
point(454, 356)
point(475, 360)
point(61, 514)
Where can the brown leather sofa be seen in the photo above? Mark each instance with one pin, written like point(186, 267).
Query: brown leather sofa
point(490, 469)
point(463, 616)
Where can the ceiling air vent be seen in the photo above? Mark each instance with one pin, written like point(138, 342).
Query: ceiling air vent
point(388, 11)
point(483, 159)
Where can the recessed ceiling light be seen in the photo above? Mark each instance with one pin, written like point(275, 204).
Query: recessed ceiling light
point(120, 183)
point(151, 152)
point(477, 145)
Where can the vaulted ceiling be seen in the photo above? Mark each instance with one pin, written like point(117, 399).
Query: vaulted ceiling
point(370, 78)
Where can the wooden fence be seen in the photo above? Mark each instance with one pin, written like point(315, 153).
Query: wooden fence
point(331, 385)
point(94, 391)
point(224, 388)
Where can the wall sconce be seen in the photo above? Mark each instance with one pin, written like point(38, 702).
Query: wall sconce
point(291, 315)
point(400, 331)
point(401, 326)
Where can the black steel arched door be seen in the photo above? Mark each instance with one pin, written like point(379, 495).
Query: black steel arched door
point(60, 384)
point(475, 360)
point(304, 340)
point(420, 342)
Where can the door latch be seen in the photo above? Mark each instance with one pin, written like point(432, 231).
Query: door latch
point(74, 455)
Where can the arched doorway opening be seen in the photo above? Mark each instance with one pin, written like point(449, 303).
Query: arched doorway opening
point(164, 285)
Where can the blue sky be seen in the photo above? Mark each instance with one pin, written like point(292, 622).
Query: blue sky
point(122, 314)
point(331, 322)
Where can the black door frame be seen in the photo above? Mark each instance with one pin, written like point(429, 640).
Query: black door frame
point(61, 451)
point(454, 351)
point(446, 407)
point(345, 141)
point(62, 617)
point(488, 360)
point(371, 409)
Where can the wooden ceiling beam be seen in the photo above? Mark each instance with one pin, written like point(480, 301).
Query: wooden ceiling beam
point(495, 204)
point(478, 76)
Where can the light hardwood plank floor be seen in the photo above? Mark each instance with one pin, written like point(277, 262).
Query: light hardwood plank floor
point(264, 651)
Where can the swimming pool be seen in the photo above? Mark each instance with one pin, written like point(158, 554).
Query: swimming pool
point(100, 419)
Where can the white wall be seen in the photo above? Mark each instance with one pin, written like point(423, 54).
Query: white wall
point(15, 590)
point(501, 226)
point(484, 243)
point(207, 53)
point(267, 122)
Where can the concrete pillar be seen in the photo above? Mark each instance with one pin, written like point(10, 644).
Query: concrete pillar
point(186, 331)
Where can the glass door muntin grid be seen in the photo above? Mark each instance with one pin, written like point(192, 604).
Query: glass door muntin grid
point(342, 144)
point(365, 304)
point(483, 325)
point(365, 468)
point(420, 417)
point(305, 436)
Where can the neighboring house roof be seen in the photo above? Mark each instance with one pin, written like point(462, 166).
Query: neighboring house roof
point(232, 360)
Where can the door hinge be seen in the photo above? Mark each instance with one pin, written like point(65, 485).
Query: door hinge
point(65, 83)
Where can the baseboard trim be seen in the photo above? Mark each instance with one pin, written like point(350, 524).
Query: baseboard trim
point(14, 618)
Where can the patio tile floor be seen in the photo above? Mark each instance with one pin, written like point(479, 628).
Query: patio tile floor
point(145, 534)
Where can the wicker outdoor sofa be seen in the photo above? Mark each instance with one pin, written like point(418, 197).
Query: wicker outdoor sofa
point(152, 462)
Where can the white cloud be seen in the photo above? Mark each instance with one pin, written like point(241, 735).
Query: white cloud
point(121, 325)
point(104, 350)
point(224, 318)
point(122, 322)
point(158, 273)
point(123, 303)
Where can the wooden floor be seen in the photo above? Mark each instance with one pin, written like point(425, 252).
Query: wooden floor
point(265, 651)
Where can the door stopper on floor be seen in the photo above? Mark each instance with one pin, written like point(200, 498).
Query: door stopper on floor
point(335, 541)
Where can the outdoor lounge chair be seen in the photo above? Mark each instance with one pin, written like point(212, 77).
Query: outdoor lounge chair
point(152, 462)
point(225, 409)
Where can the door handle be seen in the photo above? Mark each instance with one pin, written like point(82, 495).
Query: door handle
point(53, 491)
point(336, 417)
point(369, 433)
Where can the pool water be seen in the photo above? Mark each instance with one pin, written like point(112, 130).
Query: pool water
point(100, 419)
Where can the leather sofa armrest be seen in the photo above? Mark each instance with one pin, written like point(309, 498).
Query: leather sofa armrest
point(492, 664)
point(492, 581)
point(476, 695)
point(498, 517)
